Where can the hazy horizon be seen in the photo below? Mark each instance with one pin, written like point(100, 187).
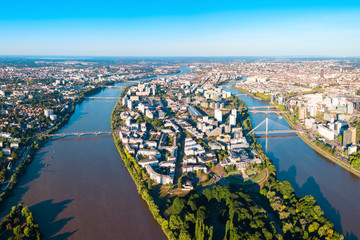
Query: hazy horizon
point(173, 56)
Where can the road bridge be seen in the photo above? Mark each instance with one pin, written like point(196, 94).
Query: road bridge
point(266, 111)
point(103, 98)
point(115, 87)
point(262, 107)
point(79, 134)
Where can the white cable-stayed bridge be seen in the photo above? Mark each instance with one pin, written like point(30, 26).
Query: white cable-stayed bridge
point(269, 126)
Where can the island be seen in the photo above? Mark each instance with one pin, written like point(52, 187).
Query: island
point(187, 144)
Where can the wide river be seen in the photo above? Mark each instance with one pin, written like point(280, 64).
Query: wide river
point(78, 188)
point(336, 190)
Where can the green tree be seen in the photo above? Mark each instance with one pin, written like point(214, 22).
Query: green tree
point(340, 137)
point(14, 155)
point(17, 231)
point(199, 229)
point(175, 222)
point(179, 183)
point(178, 205)
point(184, 235)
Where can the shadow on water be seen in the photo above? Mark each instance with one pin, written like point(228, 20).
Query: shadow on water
point(50, 226)
point(311, 187)
point(32, 172)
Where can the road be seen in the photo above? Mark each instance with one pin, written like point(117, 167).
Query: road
point(180, 154)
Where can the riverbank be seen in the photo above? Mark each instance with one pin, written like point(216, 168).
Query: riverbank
point(139, 177)
point(243, 90)
point(322, 152)
point(70, 175)
point(141, 181)
point(37, 141)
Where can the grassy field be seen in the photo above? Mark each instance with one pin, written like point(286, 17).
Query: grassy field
point(236, 177)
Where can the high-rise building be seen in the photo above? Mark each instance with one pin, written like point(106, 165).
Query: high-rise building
point(48, 112)
point(349, 137)
point(130, 104)
point(312, 111)
point(335, 101)
point(218, 115)
point(302, 113)
point(234, 112)
point(280, 100)
point(327, 116)
point(232, 120)
point(326, 132)
point(124, 101)
point(350, 108)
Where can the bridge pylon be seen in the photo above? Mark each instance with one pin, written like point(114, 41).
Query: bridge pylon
point(269, 126)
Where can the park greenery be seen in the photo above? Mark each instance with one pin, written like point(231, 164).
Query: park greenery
point(299, 218)
point(358, 92)
point(20, 224)
point(263, 96)
point(356, 124)
point(355, 160)
point(324, 146)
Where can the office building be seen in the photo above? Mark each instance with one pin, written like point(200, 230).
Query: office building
point(130, 104)
point(349, 137)
point(302, 113)
point(232, 120)
point(218, 115)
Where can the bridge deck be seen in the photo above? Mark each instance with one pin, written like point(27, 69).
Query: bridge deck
point(76, 134)
point(273, 132)
point(262, 107)
point(105, 97)
point(266, 111)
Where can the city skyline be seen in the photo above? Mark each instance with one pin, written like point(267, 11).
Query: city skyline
point(166, 28)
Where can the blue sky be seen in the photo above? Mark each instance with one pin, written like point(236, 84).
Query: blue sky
point(179, 28)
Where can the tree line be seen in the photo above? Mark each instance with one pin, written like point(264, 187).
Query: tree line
point(20, 224)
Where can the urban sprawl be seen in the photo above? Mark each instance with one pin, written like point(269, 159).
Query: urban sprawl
point(318, 97)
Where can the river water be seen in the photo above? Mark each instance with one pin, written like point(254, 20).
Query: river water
point(336, 190)
point(78, 188)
